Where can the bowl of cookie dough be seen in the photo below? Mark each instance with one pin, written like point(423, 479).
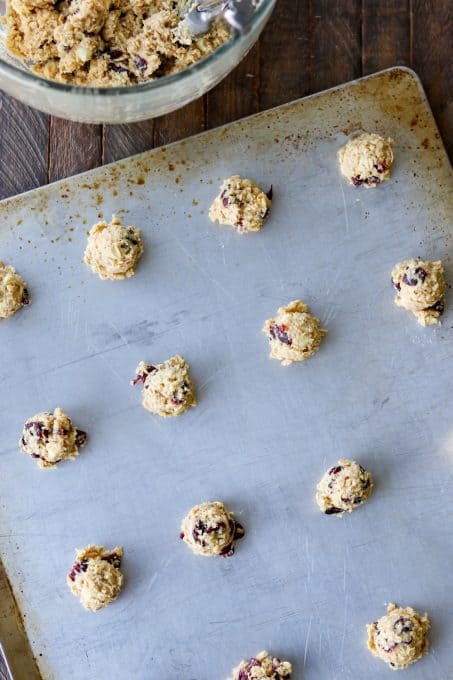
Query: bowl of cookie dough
point(113, 61)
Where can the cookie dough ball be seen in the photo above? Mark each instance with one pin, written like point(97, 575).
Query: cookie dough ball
point(13, 291)
point(294, 334)
point(343, 488)
point(95, 577)
point(399, 637)
point(263, 666)
point(241, 204)
point(420, 287)
point(51, 438)
point(366, 160)
point(167, 388)
point(210, 529)
point(113, 249)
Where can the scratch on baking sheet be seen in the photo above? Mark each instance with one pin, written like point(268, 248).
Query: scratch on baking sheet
point(112, 370)
point(309, 559)
point(101, 353)
point(222, 246)
point(237, 381)
point(9, 450)
point(361, 545)
point(345, 613)
point(78, 360)
point(204, 272)
point(261, 622)
point(154, 577)
point(346, 217)
point(117, 330)
point(330, 314)
point(125, 343)
point(211, 377)
point(73, 317)
point(344, 573)
point(307, 638)
point(274, 267)
point(433, 656)
point(320, 629)
point(27, 534)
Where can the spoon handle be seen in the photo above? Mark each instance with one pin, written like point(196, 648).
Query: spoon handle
point(200, 15)
point(5, 671)
point(239, 14)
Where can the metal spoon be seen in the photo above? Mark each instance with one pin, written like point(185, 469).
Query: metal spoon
point(199, 16)
point(4, 667)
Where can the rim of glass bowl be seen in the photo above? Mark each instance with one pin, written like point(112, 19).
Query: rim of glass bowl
point(160, 83)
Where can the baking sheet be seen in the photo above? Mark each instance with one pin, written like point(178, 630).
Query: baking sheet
point(301, 584)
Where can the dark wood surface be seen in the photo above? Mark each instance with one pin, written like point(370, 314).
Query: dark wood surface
point(308, 45)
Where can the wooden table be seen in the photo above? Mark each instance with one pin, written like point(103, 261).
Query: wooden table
point(308, 46)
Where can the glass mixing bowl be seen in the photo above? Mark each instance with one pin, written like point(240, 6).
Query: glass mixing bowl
point(136, 102)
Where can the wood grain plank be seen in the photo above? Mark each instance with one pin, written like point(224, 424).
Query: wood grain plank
point(432, 55)
point(24, 136)
point(238, 94)
point(285, 54)
point(336, 42)
point(308, 46)
point(121, 141)
point(386, 34)
point(187, 121)
point(73, 148)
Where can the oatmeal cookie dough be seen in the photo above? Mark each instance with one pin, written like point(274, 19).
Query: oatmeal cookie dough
point(167, 388)
point(105, 43)
point(51, 438)
point(420, 287)
point(241, 204)
point(95, 577)
point(294, 334)
point(13, 291)
point(263, 666)
point(210, 529)
point(399, 637)
point(366, 160)
point(343, 488)
point(113, 249)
